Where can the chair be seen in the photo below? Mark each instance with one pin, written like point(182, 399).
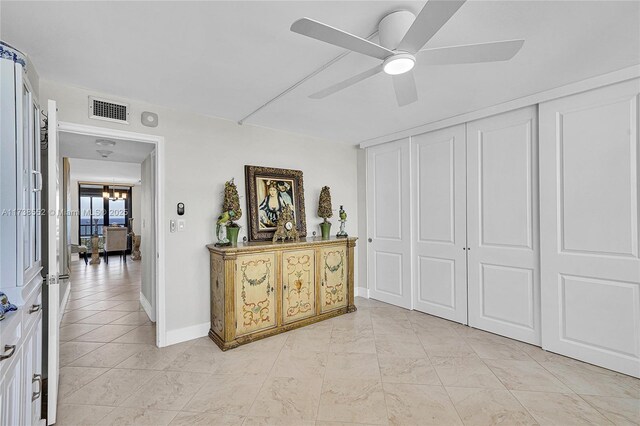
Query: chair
point(81, 249)
point(115, 239)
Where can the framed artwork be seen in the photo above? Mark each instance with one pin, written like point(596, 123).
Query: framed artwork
point(269, 190)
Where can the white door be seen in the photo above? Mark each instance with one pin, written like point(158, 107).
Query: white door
point(53, 248)
point(589, 226)
point(439, 236)
point(389, 212)
point(502, 225)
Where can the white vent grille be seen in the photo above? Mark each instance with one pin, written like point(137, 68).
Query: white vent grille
point(103, 109)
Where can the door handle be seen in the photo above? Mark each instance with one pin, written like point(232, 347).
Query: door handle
point(370, 240)
point(8, 352)
point(35, 308)
point(37, 378)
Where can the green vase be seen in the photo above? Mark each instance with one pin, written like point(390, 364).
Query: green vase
point(232, 234)
point(325, 227)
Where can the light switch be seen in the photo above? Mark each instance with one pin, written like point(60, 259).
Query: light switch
point(172, 225)
point(181, 225)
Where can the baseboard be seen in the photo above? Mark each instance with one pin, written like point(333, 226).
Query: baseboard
point(187, 333)
point(361, 292)
point(63, 305)
point(146, 305)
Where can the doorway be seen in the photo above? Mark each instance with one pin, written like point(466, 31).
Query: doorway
point(119, 173)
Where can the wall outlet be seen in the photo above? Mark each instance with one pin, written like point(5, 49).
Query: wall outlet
point(172, 225)
point(181, 225)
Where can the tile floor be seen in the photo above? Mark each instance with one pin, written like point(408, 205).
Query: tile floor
point(379, 365)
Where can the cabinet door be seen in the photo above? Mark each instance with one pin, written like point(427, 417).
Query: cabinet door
point(217, 295)
point(333, 278)
point(11, 392)
point(28, 355)
point(298, 285)
point(255, 297)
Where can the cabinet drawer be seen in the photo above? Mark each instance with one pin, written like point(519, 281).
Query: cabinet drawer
point(32, 311)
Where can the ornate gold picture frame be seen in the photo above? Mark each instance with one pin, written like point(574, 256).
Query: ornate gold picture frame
point(268, 191)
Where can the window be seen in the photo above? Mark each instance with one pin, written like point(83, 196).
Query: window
point(97, 211)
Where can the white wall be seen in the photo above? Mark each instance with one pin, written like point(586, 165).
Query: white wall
point(201, 153)
point(147, 243)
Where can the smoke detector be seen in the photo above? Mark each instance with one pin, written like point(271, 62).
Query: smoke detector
point(105, 142)
point(104, 153)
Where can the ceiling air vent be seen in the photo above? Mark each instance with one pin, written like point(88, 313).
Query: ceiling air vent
point(103, 109)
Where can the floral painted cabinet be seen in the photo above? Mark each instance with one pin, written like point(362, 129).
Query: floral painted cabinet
point(255, 292)
point(262, 288)
point(298, 285)
point(333, 278)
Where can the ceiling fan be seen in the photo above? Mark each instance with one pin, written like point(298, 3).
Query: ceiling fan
point(402, 36)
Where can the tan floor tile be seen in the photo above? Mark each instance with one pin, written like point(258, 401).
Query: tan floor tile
point(185, 418)
point(407, 370)
point(70, 351)
point(357, 366)
point(73, 378)
point(138, 416)
point(525, 375)
point(170, 390)
point(352, 400)
point(198, 359)
point(226, 394)
point(587, 382)
point(445, 346)
point(288, 397)
point(302, 340)
point(353, 341)
point(101, 306)
point(111, 388)
point(73, 331)
point(274, 421)
point(80, 415)
point(419, 405)
point(104, 333)
point(102, 317)
point(391, 326)
point(245, 363)
point(480, 407)
point(465, 372)
point(107, 355)
point(74, 316)
point(621, 411)
point(133, 318)
point(77, 304)
point(130, 306)
point(401, 345)
point(300, 364)
point(153, 358)
point(143, 334)
point(490, 350)
point(559, 409)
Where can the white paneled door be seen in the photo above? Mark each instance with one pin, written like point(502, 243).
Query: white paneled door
point(589, 227)
point(502, 225)
point(439, 236)
point(389, 213)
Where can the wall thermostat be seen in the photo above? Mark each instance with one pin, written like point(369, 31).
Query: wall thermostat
point(180, 209)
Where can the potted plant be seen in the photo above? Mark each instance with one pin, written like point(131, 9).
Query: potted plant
point(324, 211)
point(231, 212)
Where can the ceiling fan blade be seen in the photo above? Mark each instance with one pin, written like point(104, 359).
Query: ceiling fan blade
point(346, 83)
point(471, 53)
point(405, 87)
point(431, 18)
point(331, 35)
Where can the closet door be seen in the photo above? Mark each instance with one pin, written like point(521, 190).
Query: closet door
point(439, 234)
point(502, 225)
point(388, 222)
point(589, 226)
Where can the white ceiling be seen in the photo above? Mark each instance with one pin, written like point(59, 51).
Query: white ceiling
point(104, 171)
point(227, 58)
point(74, 145)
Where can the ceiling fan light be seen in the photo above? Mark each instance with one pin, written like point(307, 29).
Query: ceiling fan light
point(399, 64)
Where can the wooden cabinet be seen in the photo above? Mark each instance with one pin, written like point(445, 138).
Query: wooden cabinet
point(260, 289)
